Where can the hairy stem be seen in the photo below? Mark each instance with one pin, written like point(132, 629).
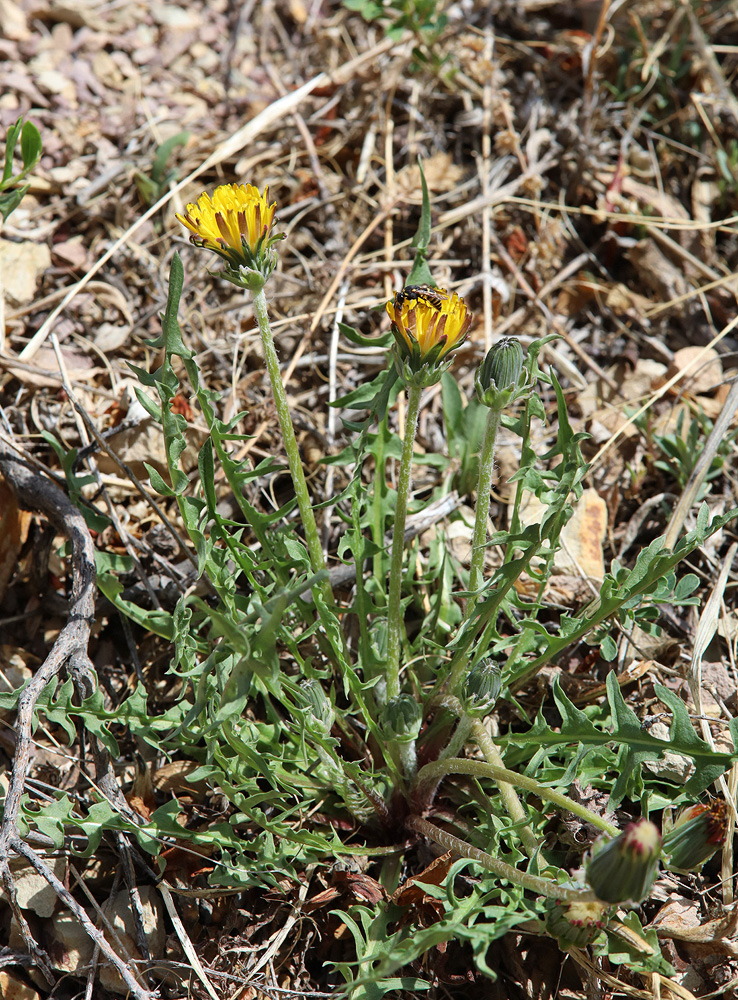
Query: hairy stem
point(484, 485)
point(475, 727)
point(312, 536)
point(480, 768)
point(394, 607)
point(541, 886)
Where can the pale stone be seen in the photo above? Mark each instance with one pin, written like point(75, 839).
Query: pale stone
point(12, 988)
point(33, 892)
point(120, 914)
point(21, 265)
point(70, 948)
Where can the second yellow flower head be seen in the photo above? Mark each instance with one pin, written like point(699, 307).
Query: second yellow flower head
point(235, 223)
point(428, 323)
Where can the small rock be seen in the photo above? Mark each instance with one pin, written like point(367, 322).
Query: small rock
point(21, 265)
point(33, 892)
point(70, 948)
point(118, 910)
point(12, 988)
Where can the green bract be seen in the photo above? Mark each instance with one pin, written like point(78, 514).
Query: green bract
point(625, 867)
point(500, 379)
point(482, 688)
point(576, 924)
point(699, 830)
point(402, 718)
point(319, 712)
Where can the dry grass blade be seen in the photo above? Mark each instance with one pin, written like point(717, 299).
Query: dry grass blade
point(184, 940)
point(702, 466)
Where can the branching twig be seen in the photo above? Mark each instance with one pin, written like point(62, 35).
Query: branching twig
point(38, 493)
point(17, 845)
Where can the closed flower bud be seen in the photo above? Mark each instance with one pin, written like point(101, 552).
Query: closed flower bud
point(482, 688)
point(402, 718)
point(625, 867)
point(698, 832)
point(498, 376)
point(575, 924)
point(319, 712)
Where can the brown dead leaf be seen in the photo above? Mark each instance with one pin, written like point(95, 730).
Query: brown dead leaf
point(702, 367)
point(665, 279)
point(184, 864)
point(680, 919)
point(625, 302)
point(320, 899)
point(360, 886)
point(21, 267)
point(441, 174)
point(411, 893)
point(173, 777)
point(574, 296)
point(582, 538)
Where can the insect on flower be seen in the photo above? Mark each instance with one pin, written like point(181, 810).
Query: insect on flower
point(427, 324)
point(424, 293)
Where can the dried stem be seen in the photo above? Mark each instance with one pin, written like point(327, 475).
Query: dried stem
point(37, 492)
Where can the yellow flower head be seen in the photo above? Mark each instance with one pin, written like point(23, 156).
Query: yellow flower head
point(428, 323)
point(235, 223)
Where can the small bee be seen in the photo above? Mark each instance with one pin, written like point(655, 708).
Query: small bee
point(423, 293)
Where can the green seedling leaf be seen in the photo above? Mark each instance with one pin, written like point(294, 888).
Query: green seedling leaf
point(10, 200)
point(165, 150)
point(11, 141)
point(30, 146)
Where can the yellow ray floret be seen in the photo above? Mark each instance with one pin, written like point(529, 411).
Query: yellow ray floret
point(428, 323)
point(236, 217)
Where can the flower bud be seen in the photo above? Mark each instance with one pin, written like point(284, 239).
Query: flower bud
point(402, 718)
point(625, 867)
point(699, 830)
point(318, 710)
point(482, 688)
point(498, 376)
point(575, 924)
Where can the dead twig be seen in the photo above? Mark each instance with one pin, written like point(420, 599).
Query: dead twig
point(81, 914)
point(38, 493)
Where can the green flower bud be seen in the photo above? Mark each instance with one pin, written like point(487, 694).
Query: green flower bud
point(575, 924)
point(625, 867)
point(699, 830)
point(319, 713)
point(402, 718)
point(498, 377)
point(482, 688)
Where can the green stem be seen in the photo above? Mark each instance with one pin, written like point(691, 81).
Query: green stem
point(439, 768)
point(461, 663)
point(394, 606)
point(541, 886)
point(312, 537)
point(509, 796)
point(513, 806)
point(484, 486)
point(377, 503)
point(457, 741)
